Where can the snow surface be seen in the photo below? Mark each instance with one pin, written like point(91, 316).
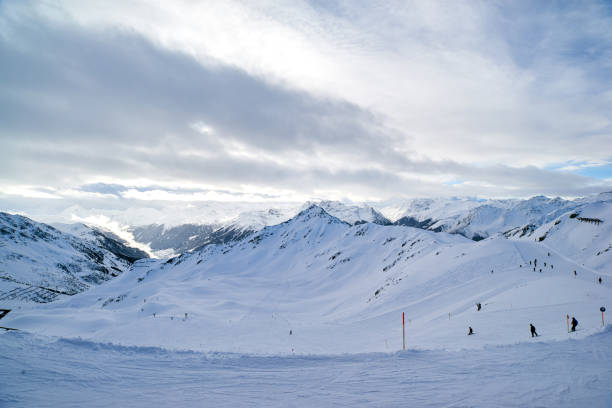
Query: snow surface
point(308, 313)
point(341, 288)
point(43, 372)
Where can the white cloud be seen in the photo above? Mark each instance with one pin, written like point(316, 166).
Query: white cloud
point(120, 230)
point(289, 100)
point(28, 191)
point(452, 76)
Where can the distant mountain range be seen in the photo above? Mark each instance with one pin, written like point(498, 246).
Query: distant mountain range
point(72, 257)
point(316, 283)
point(173, 240)
point(477, 219)
point(474, 219)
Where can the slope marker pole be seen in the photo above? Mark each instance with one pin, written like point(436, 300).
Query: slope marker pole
point(403, 332)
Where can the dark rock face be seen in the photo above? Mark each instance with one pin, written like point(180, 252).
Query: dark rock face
point(181, 238)
point(117, 247)
point(188, 237)
point(413, 222)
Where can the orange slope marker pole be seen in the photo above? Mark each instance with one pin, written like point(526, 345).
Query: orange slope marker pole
point(403, 332)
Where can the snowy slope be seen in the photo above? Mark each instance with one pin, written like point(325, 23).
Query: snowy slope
point(478, 219)
point(316, 284)
point(40, 263)
point(544, 374)
point(583, 234)
point(501, 216)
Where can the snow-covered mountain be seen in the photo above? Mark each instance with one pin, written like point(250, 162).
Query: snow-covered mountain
point(353, 214)
point(174, 240)
point(40, 263)
point(422, 209)
point(478, 219)
point(316, 284)
point(582, 234)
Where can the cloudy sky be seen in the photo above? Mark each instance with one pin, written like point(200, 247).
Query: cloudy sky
point(280, 101)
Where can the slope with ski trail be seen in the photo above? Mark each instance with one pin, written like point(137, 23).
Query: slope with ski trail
point(50, 372)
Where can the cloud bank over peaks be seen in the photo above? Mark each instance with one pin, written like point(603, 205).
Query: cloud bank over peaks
point(295, 101)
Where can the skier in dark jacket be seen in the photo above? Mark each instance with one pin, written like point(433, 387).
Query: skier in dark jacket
point(574, 323)
point(478, 306)
point(470, 331)
point(533, 330)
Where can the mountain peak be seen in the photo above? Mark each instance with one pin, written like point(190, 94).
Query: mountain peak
point(316, 211)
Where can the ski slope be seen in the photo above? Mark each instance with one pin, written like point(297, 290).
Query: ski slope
point(315, 284)
point(48, 372)
point(308, 313)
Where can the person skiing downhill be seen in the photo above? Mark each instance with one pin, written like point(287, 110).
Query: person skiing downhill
point(574, 323)
point(533, 330)
point(470, 331)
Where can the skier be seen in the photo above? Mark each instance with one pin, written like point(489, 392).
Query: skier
point(574, 273)
point(574, 323)
point(478, 307)
point(533, 330)
point(599, 280)
point(470, 331)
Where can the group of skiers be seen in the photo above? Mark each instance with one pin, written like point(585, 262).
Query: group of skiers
point(532, 328)
point(535, 265)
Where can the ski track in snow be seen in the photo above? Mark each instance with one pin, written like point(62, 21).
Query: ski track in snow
point(40, 371)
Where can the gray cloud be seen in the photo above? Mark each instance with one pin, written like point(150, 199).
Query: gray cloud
point(112, 102)
point(78, 103)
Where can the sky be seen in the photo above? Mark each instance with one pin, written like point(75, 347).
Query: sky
point(118, 103)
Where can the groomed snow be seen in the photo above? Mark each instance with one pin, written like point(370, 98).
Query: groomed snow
point(43, 372)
